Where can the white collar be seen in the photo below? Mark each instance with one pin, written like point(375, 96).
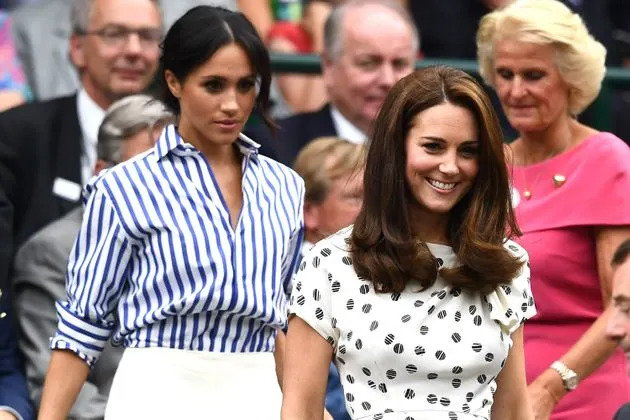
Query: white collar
point(90, 118)
point(345, 129)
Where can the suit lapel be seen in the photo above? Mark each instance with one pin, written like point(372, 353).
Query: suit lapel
point(70, 144)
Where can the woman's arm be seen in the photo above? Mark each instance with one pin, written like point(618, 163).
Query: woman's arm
point(306, 363)
point(66, 375)
point(510, 399)
point(594, 347)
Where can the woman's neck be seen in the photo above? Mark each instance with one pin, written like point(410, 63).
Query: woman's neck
point(217, 155)
point(428, 226)
point(539, 146)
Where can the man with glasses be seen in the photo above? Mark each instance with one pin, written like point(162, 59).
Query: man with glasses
point(48, 149)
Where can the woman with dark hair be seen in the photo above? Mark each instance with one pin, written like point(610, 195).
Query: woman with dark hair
point(186, 252)
point(421, 302)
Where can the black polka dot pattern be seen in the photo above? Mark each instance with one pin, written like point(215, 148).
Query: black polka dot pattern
point(440, 348)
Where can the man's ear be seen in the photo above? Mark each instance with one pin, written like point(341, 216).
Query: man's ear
point(173, 84)
point(311, 216)
point(327, 65)
point(76, 51)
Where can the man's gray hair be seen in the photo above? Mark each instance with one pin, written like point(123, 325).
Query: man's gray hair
point(126, 117)
point(81, 12)
point(333, 29)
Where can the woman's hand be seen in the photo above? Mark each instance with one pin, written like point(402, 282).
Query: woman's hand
point(541, 396)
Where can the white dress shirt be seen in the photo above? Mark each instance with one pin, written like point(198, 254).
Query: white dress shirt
point(345, 129)
point(90, 118)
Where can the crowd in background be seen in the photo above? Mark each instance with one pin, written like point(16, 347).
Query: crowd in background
point(80, 91)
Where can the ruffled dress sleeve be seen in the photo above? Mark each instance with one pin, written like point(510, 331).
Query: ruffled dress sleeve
point(311, 298)
point(512, 304)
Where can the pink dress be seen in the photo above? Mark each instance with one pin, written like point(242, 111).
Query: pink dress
point(558, 224)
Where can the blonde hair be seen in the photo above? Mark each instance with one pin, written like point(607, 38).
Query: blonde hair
point(324, 160)
point(580, 58)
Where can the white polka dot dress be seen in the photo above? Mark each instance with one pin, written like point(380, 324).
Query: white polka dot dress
point(431, 354)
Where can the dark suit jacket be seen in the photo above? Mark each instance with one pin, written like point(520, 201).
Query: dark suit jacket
point(39, 142)
point(13, 392)
point(292, 134)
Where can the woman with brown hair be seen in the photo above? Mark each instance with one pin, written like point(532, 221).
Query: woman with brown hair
point(420, 303)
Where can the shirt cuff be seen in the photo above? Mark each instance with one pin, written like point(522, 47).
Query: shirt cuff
point(79, 335)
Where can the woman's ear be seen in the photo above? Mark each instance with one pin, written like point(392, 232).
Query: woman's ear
point(173, 84)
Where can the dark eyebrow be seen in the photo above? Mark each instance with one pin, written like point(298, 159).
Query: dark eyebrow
point(621, 298)
point(441, 140)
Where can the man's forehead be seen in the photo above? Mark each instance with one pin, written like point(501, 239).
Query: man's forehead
point(383, 31)
point(133, 13)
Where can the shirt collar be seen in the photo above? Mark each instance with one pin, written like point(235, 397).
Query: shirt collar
point(90, 118)
point(170, 140)
point(345, 129)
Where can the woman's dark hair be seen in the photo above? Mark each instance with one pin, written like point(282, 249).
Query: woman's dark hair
point(383, 245)
point(197, 35)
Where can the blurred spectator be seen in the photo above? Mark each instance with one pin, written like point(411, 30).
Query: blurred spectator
point(13, 89)
point(48, 149)
point(571, 186)
point(368, 46)
point(41, 32)
point(131, 126)
point(332, 169)
point(438, 41)
point(619, 323)
point(14, 401)
point(303, 93)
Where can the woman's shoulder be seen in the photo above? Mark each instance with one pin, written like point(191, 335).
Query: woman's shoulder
point(111, 177)
point(605, 145)
point(515, 249)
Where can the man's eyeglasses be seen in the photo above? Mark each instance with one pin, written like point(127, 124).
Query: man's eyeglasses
point(118, 36)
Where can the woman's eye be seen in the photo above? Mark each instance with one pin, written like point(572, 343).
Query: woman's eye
point(534, 75)
point(213, 86)
point(246, 85)
point(505, 74)
point(470, 151)
point(432, 147)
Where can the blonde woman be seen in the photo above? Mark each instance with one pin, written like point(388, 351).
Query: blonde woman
point(571, 187)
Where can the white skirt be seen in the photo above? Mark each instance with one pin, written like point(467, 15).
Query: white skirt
point(160, 383)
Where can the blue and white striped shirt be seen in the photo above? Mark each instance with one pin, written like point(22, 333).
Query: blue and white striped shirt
point(157, 263)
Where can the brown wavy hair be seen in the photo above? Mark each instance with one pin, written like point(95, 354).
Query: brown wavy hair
point(383, 246)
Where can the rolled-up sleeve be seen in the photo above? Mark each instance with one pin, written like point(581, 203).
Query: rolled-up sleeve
point(95, 279)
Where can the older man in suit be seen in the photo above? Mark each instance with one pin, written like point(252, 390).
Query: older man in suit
point(48, 149)
point(130, 127)
point(368, 46)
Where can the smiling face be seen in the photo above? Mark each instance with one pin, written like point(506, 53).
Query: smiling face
point(529, 85)
point(109, 69)
point(216, 98)
point(442, 160)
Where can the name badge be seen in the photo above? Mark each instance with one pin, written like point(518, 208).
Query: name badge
point(67, 189)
